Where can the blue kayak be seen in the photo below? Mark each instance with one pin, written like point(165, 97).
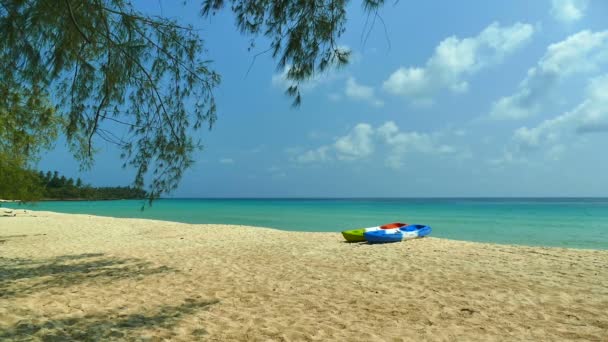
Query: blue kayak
point(412, 231)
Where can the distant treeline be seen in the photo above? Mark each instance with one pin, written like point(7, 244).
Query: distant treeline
point(62, 188)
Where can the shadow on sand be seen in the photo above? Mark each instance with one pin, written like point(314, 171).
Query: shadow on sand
point(110, 325)
point(22, 277)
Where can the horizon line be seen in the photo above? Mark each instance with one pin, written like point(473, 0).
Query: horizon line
point(409, 197)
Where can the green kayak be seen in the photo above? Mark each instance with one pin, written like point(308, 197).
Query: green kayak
point(354, 235)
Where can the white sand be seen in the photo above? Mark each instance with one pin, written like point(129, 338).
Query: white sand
point(79, 277)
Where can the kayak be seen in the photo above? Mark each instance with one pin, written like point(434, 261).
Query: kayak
point(395, 235)
point(357, 235)
point(393, 225)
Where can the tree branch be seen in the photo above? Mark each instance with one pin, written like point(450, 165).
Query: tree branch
point(73, 19)
point(95, 122)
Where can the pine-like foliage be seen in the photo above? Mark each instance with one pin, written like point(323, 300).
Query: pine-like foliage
point(28, 124)
point(105, 65)
point(304, 34)
point(103, 70)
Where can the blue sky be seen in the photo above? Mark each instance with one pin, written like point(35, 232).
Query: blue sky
point(468, 98)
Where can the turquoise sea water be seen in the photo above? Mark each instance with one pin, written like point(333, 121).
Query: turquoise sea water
point(576, 223)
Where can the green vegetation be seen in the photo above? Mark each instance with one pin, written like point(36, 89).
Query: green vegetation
point(28, 124)
point(86, 67)
point(61, 188)
point(17, 183)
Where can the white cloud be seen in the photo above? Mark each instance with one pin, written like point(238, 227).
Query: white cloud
point(358, 91)
point(568, 11)
point(580, 53)
point(361, 92)
point(455, 59)
point(357, 144)
point(590, 116)
point(507, 158)
point(361, 142)
point(403, 142)
point(317, 155)
point(226, 161)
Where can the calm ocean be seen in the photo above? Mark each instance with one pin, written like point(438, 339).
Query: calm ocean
point(568, 222)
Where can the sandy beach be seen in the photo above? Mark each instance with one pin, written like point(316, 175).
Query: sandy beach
point(80, 277)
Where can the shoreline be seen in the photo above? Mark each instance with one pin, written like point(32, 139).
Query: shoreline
point(29, 212)
point(303, 231)
point(90, 277)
